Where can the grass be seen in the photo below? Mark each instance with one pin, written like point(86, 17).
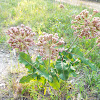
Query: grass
point(46, 16)
point(41, 15)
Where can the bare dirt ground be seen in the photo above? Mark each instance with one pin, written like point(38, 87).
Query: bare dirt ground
point(9, 70)
point(7, 61)
point(88, 4)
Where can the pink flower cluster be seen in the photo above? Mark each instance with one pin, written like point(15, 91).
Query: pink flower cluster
point(48, 46)
point(21, 37)
point(86, 25)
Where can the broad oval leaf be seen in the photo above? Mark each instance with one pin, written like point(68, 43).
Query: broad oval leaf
point(24, 58)
point(28, 78)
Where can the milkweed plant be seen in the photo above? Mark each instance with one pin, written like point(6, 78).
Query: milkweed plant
point(53, 62)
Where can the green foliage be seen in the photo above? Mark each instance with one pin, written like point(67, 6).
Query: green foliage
point(33, 88)
point(25, 59)
point(35, 68)
point(55, 84)
point(40, 70)
point(93, 78)
point(77, 53)
point(2, 38)
point(28, 78)
point(60, 70)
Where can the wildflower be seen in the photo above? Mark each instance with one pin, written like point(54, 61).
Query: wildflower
point(86, 25)
point(48, 46)
point(21, 37)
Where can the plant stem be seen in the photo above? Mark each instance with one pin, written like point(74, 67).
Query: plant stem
point(28, 52)
point(90, 51)
point(72, 43)
point(49, 59)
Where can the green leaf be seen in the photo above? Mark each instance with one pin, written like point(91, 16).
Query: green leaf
point(74, 74)
point(39, 60)
point(35, 67)
point(43, 72)
point(64, 75)
point(79, 55)
point(28, 78)
point(58, 66)
point(76, 50)
point(42, 80)
point(24, 58)
point(72, 68)
point(87, 62)
point(62, 69)
point(76, 62)
point(55, 84)
point(64, 54)
point(53, 72)
point(70, 56)
point(28, 66)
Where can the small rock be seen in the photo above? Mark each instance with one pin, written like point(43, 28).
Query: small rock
point(2, 85)
point(7, 56)
point(79, 97)
point(2, 50)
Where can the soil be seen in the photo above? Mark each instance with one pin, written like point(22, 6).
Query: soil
point(7, 61)
point(10, 72)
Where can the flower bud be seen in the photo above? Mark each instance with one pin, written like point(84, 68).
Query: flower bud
point(95, 11)
point(27, 33)
point(33, 34)
point(72, 22)
point(22, 25)
point(58, 57)
point(27, 27)
point(50, 36)
point(98, 44)
point(22, 33)
point(61, 6)
point(54, 40)
point(82, 16)
point(86, 13)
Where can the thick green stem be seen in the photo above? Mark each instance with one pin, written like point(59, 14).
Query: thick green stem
point(49, 61)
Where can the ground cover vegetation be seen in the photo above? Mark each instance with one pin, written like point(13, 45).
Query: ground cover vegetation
point(63, 44)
